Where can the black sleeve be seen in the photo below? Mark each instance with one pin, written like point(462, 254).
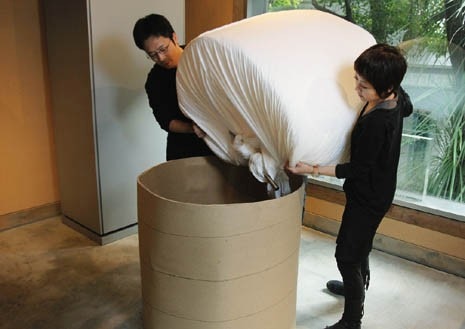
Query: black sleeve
point(161, 92)
point(366, 144)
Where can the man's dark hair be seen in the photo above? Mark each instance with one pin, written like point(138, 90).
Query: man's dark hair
point(151, 25)
point(383, 66)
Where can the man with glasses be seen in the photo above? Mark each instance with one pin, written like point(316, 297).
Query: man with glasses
point(155, 36)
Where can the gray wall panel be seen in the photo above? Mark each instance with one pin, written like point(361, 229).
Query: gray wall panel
point(106, 133)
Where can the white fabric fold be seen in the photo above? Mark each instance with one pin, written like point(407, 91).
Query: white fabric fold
point(274, 87)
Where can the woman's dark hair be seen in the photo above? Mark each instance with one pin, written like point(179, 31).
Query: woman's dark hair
point(151, 25)
point(383, 66)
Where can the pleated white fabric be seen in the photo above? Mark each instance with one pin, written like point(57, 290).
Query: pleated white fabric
point(274, 87)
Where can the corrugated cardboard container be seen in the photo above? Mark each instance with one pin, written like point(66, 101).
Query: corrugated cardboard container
point(215, 251)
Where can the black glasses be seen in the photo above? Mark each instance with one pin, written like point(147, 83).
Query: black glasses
point(154, 56)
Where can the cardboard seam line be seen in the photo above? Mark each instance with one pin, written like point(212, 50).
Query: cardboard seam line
point(222, 281)
point(226, 320)
point(214, 237)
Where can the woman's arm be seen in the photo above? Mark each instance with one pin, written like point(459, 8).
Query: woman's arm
point(302, 168)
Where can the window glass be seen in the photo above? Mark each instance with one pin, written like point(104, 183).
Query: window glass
point(431, 33)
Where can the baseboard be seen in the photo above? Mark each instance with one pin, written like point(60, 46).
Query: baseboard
point(409, 251)
point(101, 239)
point(27, 216)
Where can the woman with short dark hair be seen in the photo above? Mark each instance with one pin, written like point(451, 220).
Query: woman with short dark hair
point(371, 174)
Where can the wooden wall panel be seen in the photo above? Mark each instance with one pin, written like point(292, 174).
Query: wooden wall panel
point(204, 15)
point(28, 176)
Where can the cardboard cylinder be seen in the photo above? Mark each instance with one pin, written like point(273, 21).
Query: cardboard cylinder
point(215, 251)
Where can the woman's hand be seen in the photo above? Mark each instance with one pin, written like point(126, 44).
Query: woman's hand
point(301, 168)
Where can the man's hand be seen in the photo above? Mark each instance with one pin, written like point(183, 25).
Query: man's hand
point(199, 132)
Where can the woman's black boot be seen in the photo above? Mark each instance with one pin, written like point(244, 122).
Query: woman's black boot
point(335, 287)
point(352, 317)
point(344, 324)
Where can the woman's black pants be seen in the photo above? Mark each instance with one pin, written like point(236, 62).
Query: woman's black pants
point(356, 277)
point(354, 243)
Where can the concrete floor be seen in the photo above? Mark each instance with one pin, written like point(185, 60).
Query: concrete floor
point(52, 277)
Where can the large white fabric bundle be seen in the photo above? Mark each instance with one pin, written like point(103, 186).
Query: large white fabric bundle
point(274, 87)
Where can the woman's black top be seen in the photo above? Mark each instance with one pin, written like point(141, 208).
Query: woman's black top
point(371, 174)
